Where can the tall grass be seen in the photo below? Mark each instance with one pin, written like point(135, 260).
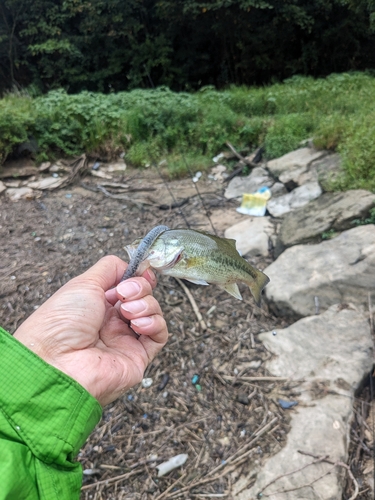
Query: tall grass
point(151, 125)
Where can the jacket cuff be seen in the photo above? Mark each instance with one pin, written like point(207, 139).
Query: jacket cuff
point(50, 412)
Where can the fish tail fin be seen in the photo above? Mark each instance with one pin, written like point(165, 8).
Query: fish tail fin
point(257, 284)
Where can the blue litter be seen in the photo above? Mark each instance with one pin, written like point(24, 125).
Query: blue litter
point(287, 404)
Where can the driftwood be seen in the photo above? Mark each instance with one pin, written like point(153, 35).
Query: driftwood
point(79, 169)
point(244, 162)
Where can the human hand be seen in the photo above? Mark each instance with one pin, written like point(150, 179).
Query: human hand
point(81, 329)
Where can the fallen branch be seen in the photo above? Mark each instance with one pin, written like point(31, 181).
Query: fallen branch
point(102, 189)
point(79, 169)
point(193, 303)
point(243, 161)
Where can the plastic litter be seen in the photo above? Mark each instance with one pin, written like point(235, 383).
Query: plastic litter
point(287, 404)
point(147, 382)
point(171, 464)
point(255, 203)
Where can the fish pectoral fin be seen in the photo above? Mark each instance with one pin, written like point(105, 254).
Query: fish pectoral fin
point(197, 282)
point(232, 288)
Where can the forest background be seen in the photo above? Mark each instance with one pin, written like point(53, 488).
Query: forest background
point(176, 79)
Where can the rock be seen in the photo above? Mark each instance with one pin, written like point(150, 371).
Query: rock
point(12, 170)
point(43, 167)
point(16, 194)
point(290, 167)
point(47, 183)
point(297, 198)
point(119, 166)
point(324, 169)
point(278, 189)
point(333, 352)
point(330, 211)
point(2, 187)
point(252, 235)
point(337, 270)
point(258, 178)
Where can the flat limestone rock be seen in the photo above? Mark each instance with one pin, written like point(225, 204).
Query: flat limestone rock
point(292, 166)
point(258, 177)
point(47, 183)
point(327, 356)
point(297, 198)
point(339, 270)
point(16, 194)
point(330, 211)
point(252, 235)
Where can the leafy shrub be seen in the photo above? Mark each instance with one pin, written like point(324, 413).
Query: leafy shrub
point(287, 132)
point(148, 125)
point(16, 119)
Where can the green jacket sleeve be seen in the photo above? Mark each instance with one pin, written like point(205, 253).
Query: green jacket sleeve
point(45, 417)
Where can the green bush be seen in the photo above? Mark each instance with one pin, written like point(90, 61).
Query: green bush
point(16, 118)
point(150, 125)
point(286, 133)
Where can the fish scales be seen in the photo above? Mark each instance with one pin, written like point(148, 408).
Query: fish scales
point(202, 258)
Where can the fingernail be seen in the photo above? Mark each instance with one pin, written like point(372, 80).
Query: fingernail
point(141, 322)
point(135, 306)
point(151, 274)
point(128, 288)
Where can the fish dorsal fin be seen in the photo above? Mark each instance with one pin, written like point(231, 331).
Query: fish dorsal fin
point(232, 288)
point(231, 242)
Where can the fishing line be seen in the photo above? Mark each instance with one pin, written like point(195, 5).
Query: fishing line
point(154, 164)
point(199, 195)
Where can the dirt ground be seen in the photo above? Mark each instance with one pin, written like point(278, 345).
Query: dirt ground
point(205, 399)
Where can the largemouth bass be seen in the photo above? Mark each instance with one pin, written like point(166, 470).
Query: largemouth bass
point(201, 258)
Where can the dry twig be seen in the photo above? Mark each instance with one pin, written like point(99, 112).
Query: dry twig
point(193, 303)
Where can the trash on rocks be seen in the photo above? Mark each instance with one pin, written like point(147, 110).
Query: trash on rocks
point(171, 464)
point(255, 203)
point(195, 379)
point(287, 404)
point(96, 166)
point(147, 382)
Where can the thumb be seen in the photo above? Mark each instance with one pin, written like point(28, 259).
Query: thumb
point(106, 273)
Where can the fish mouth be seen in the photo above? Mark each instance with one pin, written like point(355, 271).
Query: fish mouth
point(168, 265)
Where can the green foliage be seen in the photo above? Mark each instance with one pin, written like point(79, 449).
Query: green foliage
point(367, 220)
point(16, 119)
point(358, 153)
point(287, 132)
point(151, 125)
point(328, 235)
point(114, 45)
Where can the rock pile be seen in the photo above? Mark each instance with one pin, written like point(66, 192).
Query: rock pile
point(323, 273)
